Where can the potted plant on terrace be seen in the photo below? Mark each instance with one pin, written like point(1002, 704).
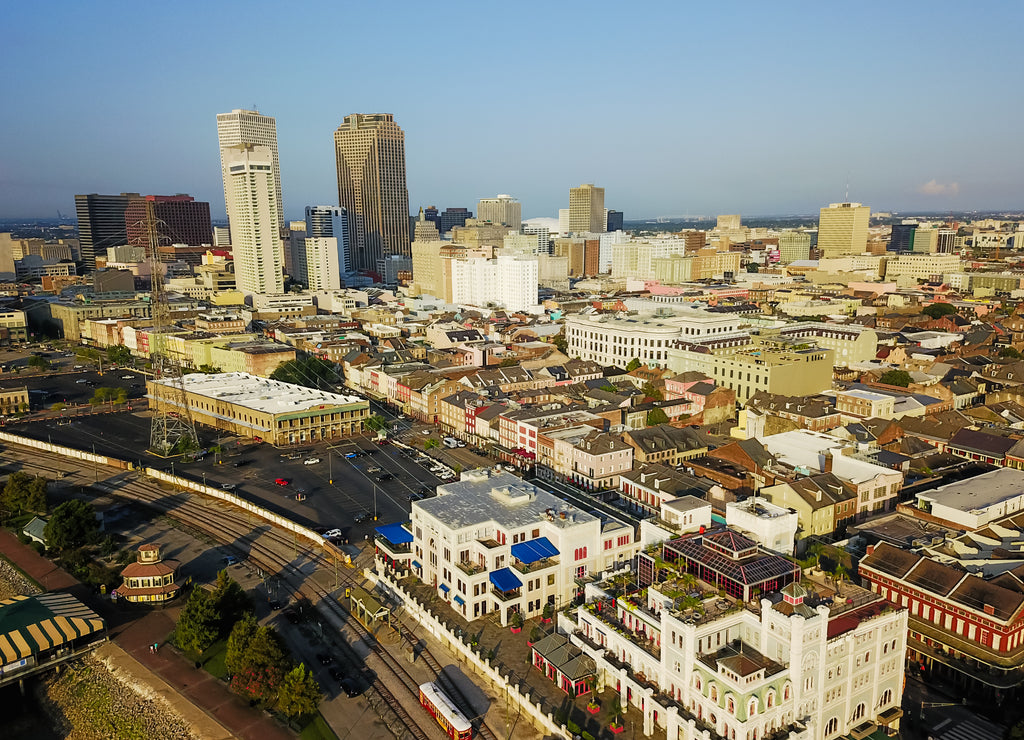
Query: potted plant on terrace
point(516, 622)
point(616, 725)
point(545, 616)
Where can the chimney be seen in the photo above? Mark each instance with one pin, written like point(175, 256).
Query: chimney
point(870, 549)
point(828, 461)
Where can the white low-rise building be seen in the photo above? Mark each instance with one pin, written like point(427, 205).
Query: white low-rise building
point(491, 542)
point(773, 526)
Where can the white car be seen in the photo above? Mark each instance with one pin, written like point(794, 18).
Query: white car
point(332, 533)
point(311, 461)
point(80, 381)
point(128, 377)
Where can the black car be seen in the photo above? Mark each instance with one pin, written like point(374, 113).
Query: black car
point(291, 616)
point(275, 605)
point(372, 451)
point(325, 658)
point(351, 687)
point(362, 516)
point(240, 463)
point(385, 477)
point(336, 673)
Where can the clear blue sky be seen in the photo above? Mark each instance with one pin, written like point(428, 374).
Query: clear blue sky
point(675, 108)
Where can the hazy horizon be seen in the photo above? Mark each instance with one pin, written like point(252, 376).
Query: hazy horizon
point(687, 110)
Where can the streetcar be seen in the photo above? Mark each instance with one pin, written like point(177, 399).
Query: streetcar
point(443, 709)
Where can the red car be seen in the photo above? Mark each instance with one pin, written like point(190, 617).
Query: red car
point(281, 481)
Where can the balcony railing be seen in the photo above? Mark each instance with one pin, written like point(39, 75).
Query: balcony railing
point(470, 569)
point(393, 548)
point(535, 566)
point(507, 595)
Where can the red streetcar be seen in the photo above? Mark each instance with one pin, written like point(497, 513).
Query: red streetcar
point(443, 709)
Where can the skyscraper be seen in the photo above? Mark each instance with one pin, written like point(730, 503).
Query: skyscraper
point(503, 209)
point(370, 152)
point(250, 127)
point(101, 224)
point(332, 221)
point(901, 238)
point(614, 221)
point(794, 245)
point(452, 217)
point(252, 210)
point(184, 220)
point(586, 209)
point(843, 229)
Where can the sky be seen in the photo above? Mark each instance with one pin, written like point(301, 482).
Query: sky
point(674, 108)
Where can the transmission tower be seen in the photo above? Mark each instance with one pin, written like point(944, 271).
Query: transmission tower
point(171, 431)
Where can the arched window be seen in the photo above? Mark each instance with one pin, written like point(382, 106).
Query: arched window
point(752, 709)
point(770, 699)
point(713, 693)
point(858, 713)
point(785, 692)
point(730, 705)
point(697, 682)
point(886, 698)
point(831, 727)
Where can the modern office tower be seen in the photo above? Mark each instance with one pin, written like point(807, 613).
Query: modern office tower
point(295, 251)
point(926, 240)
point(323, 262)
point(608, 242)
point(729, 221)
point(543, 237)
point(250, 127)
point(452, 217)
point(424, 230)
point(794, 245)
point(613, 220)
point(694, 240)
point(221, 236)
point(503, 209)
point(946, 242)
point(901, 239)
point(586, 209)
point(101, 224)
point(563, 222)
point(181, 219)
point(324, 221)
point(252, 211)
point(431, 214)
point(370, 153)
point(843, 229)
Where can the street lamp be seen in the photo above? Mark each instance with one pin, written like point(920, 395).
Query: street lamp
point(330, 468)
point(374, 502)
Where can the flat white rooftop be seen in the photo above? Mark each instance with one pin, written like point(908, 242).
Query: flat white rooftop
point(979, 492)
point(262, 394)
point(486, 495)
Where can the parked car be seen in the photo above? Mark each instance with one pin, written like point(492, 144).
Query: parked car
point(351, 687)
point(240, 463)
point(350, 455)
point(229, 486)
point(129, 376)
point(330, 534)
point(362, 516)
point(325, 658)
point(280, 481)
point(311, 461)
point(384, 477)
point(81, 381)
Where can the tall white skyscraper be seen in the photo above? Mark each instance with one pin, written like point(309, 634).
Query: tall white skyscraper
point(503, 209)
point(323, 269)
point(250, 127)
point(323, 221)
point(250, 194)
point(507, 280)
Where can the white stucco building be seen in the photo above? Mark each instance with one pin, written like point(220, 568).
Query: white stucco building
point(506, 280)
point(772, 526)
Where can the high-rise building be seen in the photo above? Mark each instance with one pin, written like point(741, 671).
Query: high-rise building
point(729, 221)
point(452, 217)
point(586, 209)
point(424, 230)
point(181, 219)
point(543, 237)
point(926, 240)
point(507, 280)
point(901, 239)
point(794, 245)
point(101, 224)
point(252, 211)
point(613, 221)
point(251, 127)
point(332, 221)
point(370, 153)
point(431, 214)
point(323, 262)
point(221, 236)
point(504, 210)
point(946, 242)
point(843, 229)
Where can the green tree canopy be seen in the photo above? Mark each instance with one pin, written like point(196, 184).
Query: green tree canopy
point(119, 354)
point(375, 423)
point(431, 443)
point(1010, 353)
point(311, 372)
point(509, 362)
point(656, 416)
point(895, 377)
point(299, 693)
point(256, 659)
point(650, 391)
point(37, 362)
point(72, 524)
point(241, 635)
point(230, 601)
point(197, 624)
point(108, 395)
point(938, 310)
point(24, 494)
point(560, 343)
point(210, 369)
point(633, 365)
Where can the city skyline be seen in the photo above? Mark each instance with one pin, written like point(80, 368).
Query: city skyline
point(751, 110)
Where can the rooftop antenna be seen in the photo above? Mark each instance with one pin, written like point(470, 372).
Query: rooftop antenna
point(847, 188)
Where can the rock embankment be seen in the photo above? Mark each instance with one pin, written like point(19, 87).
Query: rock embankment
point(13, 582)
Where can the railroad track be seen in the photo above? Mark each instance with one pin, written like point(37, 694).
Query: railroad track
point(224, 523)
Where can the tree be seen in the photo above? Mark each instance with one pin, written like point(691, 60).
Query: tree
point(656, 416)
point(235, 659)
point(895, 377)
point(210, 369)
point(197, 624)
point(938, 310)
point(752, 268)
point(651, 392)
point(119, 354)
point(299, 692)
point(72, 524)
point(560, 343)
point(230, 601)
point(431, 443)
point(509, 362)
point(311, 372)
point(608, 388)
point(1010, 353)
point(37, 362)
point(633, 365)
point(58, 406)
point(109, 396)
point(256, 659)
point(24, 494)
point(376, 423)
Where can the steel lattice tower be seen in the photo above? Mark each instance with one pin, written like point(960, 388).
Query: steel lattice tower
point(171, 430)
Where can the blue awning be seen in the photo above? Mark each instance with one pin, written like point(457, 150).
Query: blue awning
point(534, 550)
point(459, 600)
point(396, 534)
point(444, 587)
point(416, 564)
point(505, 579)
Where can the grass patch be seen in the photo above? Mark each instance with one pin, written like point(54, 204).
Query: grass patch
point(317, 729)
point(213, 659)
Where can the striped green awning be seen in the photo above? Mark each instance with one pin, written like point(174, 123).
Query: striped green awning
point(33, 624)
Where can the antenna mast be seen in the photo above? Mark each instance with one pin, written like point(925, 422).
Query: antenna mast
point(171, 430)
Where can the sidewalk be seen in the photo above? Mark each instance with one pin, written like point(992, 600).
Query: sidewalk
point(134, 636)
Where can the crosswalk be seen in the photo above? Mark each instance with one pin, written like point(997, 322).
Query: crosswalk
point(970, 728)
